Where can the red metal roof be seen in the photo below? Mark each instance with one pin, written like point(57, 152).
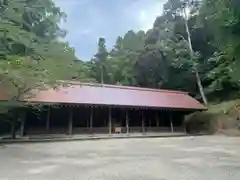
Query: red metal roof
point(99, 94)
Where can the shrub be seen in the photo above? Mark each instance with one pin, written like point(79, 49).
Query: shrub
point(201, 122)
point(219, 118)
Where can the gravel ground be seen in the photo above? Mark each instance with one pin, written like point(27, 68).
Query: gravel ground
point(183, 158)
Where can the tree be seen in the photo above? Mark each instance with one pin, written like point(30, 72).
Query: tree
point(184, 9)
point(22, 77)
point(32, 58)
point(225, 15)
point(193, 46)
point(124, 57)
point(100, 61)
point(152, 67)
point(27, 25)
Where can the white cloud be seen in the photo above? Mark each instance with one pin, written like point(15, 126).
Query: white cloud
point(144, 13)
point(145, 20)
point(87, 20)
point(85, 31)
point(147, 15)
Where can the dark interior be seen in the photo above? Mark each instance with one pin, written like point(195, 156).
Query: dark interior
point(59, 119)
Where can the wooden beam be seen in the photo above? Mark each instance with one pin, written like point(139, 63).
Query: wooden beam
point(109, 120)
point(127, 122)
point(70, 122)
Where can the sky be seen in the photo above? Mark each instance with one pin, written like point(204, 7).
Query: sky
point(87, 20)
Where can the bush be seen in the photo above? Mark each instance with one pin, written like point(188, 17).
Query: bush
point(201, 122)
point(220, 117)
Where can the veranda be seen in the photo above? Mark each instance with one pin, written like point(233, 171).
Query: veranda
point(95, 119)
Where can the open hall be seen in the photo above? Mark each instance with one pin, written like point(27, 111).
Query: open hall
point(106, 109)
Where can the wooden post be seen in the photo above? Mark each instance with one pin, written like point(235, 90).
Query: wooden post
point(157, 118)
point(88, 124)
point(91, 118)
point(48, 118)
point(171, 123)
point(70, 122)
point(23, 118)
point(127, 122)
point(143, 128)
point(109, 121)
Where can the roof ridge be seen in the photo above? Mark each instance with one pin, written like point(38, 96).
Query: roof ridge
point(125, 87)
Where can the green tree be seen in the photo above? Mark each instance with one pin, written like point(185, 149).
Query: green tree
point(99, 61)
point(31, 58)
point(184, 9)
point(192, 44)
point(22, 77)
point(27, 25)
point(225, 16)
point(124, 57)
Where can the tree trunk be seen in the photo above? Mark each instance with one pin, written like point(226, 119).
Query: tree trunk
point(198, 79)
point(201, 88)
point(101, 74)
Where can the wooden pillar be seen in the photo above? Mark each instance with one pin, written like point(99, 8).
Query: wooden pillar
point(143, 125)
point(157, 119)
point(171, 123)
point(91, 117)
point(23, 118)
point(110, 121)
point(70, 122)
point(88, 120)
point(127, 122)
point(48, 118)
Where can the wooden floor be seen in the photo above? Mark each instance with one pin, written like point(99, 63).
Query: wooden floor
point(107, 135)
point(100, 130)
point(62, 137)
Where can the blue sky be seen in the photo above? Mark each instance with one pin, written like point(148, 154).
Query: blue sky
point(87, 20)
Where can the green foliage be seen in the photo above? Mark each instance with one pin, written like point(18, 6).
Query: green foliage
point(201, 122)
point(27, 25)
point(31, 56)
point(124, 57)
point(225, 15)
point(221, 117)
point(168, 56)
point(20, 75)
point(99, 62)
point(192, 44)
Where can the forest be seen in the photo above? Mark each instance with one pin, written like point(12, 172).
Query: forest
point(193, 46)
